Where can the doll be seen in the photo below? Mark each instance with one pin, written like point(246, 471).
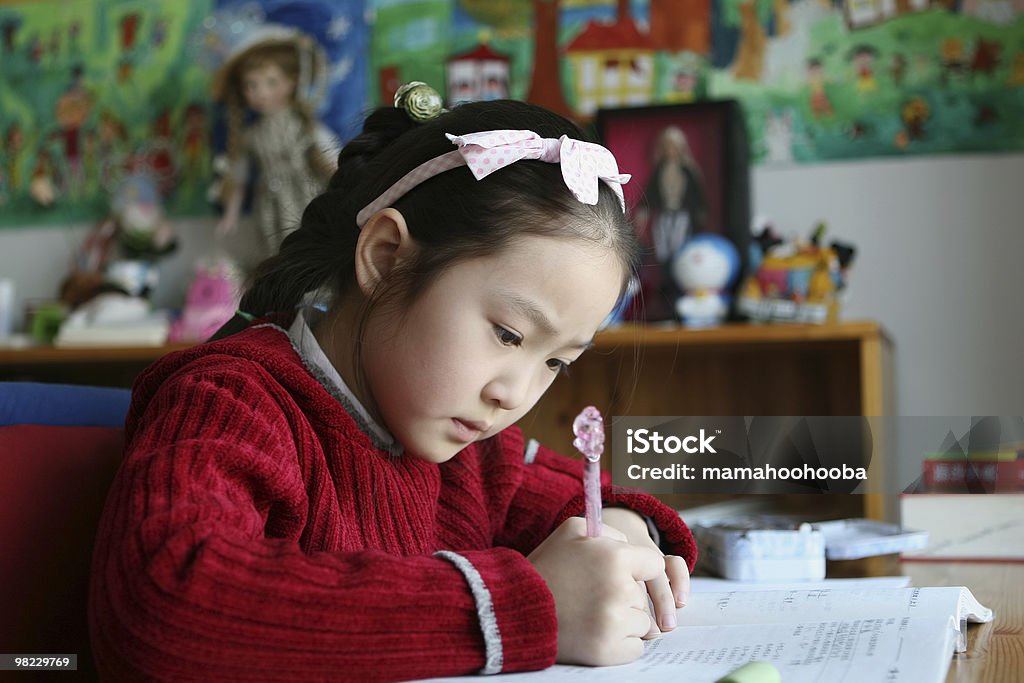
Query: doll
point(672, 208)
point(675, 193)
point(705, 269)
point(265, 88)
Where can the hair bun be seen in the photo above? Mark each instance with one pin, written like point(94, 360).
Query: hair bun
point(419, 100)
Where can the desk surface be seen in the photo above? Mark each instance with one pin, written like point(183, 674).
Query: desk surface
point(995, 651)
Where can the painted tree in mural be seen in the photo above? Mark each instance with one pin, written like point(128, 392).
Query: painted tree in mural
point(545, 84)
point(677, 26)
point(742, 37)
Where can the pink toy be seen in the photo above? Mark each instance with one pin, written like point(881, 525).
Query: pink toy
point(211, 301)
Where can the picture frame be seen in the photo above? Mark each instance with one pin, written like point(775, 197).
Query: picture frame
point(710, 137)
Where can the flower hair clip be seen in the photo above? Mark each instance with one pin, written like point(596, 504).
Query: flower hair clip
point(420, 101)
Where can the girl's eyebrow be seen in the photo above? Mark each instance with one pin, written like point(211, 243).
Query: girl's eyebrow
point(530, 310)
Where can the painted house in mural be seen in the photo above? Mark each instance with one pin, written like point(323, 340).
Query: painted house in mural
point(612, 66)
point(681, 37)
point(481, 74)
point(861, 13)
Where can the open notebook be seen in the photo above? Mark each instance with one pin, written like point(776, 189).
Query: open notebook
point(810, 635)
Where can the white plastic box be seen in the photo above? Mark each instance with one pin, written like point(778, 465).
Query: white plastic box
point(764, 548)
point(748, 552)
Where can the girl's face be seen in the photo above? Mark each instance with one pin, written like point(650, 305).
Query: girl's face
point(267, 88)
point(478, 349)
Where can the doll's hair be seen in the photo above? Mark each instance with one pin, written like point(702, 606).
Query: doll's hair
point(452, 216)
point(672, 138)
point(229, 88)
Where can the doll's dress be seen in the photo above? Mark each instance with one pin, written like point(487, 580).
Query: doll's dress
point(675, 194)
point(286, 182)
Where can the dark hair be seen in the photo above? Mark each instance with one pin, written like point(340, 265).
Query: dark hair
point(452, 216)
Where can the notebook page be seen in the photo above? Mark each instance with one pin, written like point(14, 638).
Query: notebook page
point(786, 606)
point(889, 650)
point(888, 635)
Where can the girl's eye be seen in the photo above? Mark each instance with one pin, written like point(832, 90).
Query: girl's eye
point(559, 366)
point(507, 337)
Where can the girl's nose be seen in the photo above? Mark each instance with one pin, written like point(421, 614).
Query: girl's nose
point(508, 391)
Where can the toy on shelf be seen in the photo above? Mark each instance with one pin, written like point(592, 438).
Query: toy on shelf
point(211, 301)
point(705, 268)
point(116, 270)
point(271, 79)
point(795, 280)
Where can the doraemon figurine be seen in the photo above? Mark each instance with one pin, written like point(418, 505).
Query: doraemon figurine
point(705, 268)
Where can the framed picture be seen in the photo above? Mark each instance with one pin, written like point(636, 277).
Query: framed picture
point(691, 175)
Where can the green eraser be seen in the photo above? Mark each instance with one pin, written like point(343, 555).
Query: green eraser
point(753, 672)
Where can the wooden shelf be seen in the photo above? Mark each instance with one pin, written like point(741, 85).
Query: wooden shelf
point(739, 334)
point(751, 370)
point(733, 370)
point(83, 354)
point(101, 365)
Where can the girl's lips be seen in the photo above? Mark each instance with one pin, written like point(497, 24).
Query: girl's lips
point(469, 429)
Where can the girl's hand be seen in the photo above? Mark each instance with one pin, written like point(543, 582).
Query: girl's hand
point(597, 585)
point(671, 588)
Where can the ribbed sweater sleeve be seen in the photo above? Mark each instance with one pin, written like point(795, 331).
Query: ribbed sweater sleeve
point(551, 491)
point(217, 558)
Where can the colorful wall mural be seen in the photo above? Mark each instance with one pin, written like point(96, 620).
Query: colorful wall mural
point(819, 79)
point(94, 89)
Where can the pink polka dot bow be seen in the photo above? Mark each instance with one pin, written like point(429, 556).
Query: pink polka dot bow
point(583, 163)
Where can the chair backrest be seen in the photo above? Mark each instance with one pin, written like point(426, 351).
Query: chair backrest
point(62, 404)
point(60, 447)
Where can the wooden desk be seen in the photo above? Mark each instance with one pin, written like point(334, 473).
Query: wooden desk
point(995, 651)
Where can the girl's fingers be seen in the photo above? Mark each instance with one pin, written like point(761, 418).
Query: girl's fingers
point(638, 624)
point(678, 578)
point(660, 592)
point(653, 631)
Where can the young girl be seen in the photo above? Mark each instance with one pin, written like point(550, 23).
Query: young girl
point(343, 495)
point(270, 80)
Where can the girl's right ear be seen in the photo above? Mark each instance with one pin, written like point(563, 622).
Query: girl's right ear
point(384, 243)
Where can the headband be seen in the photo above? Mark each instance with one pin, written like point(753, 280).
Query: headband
point(583, 164)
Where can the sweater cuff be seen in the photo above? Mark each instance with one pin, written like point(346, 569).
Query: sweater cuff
point(522, 607)
point(675, 535)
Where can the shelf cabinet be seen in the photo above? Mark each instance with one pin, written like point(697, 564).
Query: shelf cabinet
point(732, 370)
point(835, 369)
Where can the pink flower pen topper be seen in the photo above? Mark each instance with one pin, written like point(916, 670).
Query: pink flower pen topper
point(589, 430)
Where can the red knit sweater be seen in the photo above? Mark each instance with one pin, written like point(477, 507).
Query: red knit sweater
point(254, 532)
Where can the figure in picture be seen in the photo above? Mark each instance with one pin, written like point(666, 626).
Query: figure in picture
point(675, 194)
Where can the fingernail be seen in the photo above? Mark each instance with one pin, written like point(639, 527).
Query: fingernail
point(681, 599)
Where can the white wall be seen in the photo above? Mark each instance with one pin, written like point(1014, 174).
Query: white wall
point(940, 247)
point(940, 244)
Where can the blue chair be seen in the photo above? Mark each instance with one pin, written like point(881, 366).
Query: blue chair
point(62, 405)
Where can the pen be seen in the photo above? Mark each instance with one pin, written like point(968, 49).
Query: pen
point(589, 431)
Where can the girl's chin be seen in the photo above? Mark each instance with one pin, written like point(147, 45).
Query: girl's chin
point(436, 456)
